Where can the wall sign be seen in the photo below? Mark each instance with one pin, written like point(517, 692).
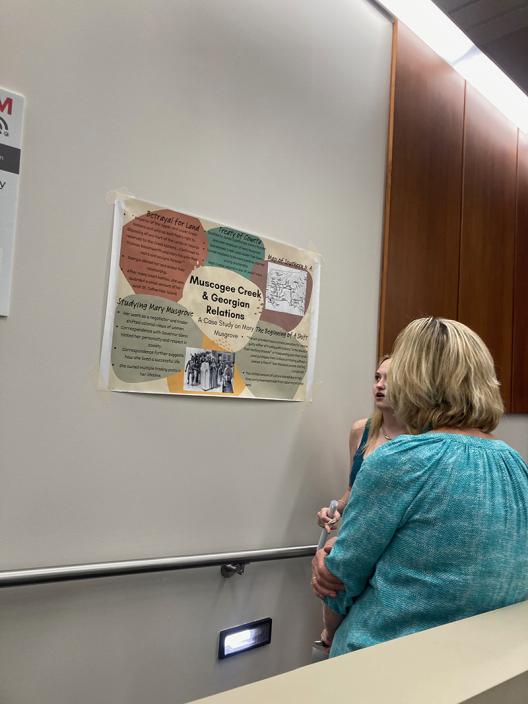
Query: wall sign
point(11, 116)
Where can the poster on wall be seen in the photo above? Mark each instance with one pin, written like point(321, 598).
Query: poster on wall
point(203, 309)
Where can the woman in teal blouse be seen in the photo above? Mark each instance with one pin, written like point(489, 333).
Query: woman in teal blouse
point(436, 528)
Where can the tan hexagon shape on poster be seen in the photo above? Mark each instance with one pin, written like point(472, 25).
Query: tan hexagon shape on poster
point(226, 305)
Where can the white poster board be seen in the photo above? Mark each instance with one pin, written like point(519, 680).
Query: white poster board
point(203, 309)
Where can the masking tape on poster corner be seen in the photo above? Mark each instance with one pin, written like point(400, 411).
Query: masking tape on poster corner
point(313, 249)
point(97, 378)
point(121, 193)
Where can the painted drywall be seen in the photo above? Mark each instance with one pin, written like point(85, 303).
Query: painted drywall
point(268, 116)
point(513, 429)
point(475, 660)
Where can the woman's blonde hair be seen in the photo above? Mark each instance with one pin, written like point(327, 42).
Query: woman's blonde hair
point(442, 375)
point(376, 419)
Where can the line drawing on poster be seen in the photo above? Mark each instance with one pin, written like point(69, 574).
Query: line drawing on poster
point(285, 289)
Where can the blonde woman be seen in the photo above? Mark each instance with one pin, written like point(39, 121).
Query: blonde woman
point(366, 435)
point(436, 528)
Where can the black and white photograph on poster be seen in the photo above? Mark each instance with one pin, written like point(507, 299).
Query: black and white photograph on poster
point(208, 370)
point(286, 289)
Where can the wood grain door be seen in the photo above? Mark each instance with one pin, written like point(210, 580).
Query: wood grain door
point(488, 230)
point(520, 297)
point(423, 199)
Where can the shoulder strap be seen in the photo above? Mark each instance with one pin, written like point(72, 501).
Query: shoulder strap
point(357, 460)
point(364, 437)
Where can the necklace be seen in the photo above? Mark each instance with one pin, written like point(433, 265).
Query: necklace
point(387, 437)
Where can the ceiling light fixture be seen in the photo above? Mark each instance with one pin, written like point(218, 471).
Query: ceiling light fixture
point(435, 28)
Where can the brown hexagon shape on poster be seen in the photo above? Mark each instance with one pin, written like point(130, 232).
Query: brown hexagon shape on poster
point(159, 250)
point(287, 321)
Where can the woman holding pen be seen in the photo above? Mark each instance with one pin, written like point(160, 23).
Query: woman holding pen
point(365, 436)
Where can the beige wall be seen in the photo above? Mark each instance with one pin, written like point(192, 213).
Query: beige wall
point(268, 116)
point(513, 429)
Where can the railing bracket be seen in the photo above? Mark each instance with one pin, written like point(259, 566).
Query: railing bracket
point(230, 568)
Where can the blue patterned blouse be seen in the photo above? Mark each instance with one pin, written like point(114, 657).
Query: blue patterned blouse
point(435, 530)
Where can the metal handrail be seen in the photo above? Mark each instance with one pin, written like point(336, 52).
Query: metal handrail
point(93, 570)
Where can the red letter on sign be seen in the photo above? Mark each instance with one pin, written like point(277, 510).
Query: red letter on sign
point(8, 103)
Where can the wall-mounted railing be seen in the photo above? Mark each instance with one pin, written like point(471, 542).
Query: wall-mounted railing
point(229, 562)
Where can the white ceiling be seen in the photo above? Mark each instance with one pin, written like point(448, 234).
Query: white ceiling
point(499, 28)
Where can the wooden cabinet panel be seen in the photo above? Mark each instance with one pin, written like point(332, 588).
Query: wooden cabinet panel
point(456, 213)
point(423, 200)
point(488, 230)
point(520, 310)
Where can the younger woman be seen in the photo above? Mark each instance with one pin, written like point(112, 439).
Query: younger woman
point(365, 436)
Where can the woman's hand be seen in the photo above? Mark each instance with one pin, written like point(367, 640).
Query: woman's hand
point(326, 638)
point(324, 583)
point(327, 522)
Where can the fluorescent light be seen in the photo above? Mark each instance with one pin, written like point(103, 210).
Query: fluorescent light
point(432, 26)
point(500, 90)
point(435, 28)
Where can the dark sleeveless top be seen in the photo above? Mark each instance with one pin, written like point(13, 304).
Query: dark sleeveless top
point(358, 458)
